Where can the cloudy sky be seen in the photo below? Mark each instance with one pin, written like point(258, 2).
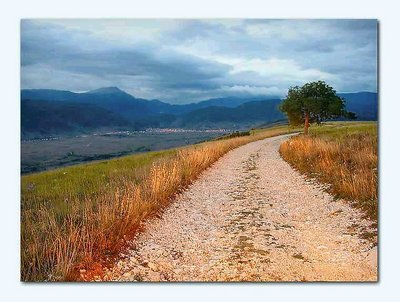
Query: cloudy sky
point(182, 61)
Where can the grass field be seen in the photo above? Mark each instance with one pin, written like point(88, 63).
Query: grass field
point(72, 216)
point(343, 155)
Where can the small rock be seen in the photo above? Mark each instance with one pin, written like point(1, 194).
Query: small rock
point(177, 271)
point(152, 266)
point(133, 260)
point(166, 265)
point(153, 276)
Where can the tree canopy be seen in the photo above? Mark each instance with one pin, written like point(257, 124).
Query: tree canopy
point(313, 103)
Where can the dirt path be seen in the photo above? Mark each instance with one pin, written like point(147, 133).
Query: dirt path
point(251, 217)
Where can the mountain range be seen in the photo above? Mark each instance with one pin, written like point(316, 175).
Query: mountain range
point(46, 112)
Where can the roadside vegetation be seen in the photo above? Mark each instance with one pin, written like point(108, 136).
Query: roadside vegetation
point(343, 155)
point(74, 216)
point(235, 134)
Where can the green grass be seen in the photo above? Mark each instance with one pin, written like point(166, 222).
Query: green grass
point(55, 187)
point(341, 130)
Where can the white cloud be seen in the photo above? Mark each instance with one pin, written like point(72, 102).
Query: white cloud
point(285, 68)
point(189, 60)
point(254, 90)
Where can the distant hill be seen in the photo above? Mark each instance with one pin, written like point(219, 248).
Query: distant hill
point(55, 112)
point(364, 104)
point(246, 115)
point(110, 98)
point(46, 118)
point(116, 100)
point(47, 112)
point(229, 102)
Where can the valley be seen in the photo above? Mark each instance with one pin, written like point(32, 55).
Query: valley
point(46, 112)
point(49, 153)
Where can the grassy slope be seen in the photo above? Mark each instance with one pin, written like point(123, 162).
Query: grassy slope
point(344, 155)
point(77, 214)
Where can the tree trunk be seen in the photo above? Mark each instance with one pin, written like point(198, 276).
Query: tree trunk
point(306, 123)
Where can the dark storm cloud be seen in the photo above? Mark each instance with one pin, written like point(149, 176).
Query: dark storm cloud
point(186, 60)
point(53, 47)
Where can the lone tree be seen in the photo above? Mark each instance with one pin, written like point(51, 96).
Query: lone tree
point(313, 103)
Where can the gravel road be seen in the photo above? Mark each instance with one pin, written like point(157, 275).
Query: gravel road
point(251, 217)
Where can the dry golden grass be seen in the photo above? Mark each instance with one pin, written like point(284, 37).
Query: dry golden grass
point(342, 155)
point(65, 222)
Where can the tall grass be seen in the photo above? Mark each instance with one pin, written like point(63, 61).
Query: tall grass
point(342, 155)
point(79, 214)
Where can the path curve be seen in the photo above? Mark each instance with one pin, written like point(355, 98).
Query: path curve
point(251, 217)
